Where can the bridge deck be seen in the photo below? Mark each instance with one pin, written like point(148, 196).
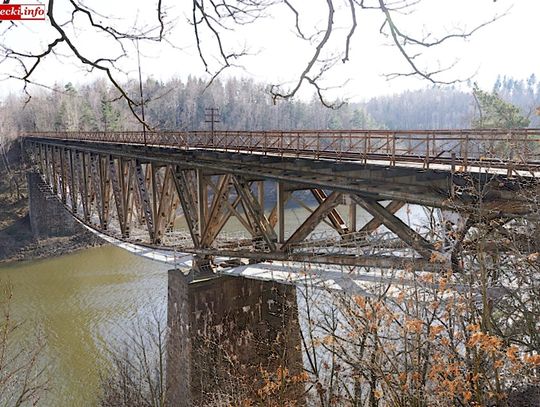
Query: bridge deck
point(509, 149)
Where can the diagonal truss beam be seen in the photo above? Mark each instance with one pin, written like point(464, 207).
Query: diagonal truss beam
point(374, 223)
point(187, 201)
point(85, 184)
point(126, 182)
point(255, 213)
point(397, 226)
point(233, 211)
point(314, 219)
point(167, 203)
point(72, 180)
point(145, 199)
point(222, 210)
point(335, 218)
point(217, 212)
point(118, 194)
point(95, 178)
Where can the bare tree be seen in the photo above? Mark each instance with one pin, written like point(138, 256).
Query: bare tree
point(137, 377)
point(214, 24)
point(23, 378)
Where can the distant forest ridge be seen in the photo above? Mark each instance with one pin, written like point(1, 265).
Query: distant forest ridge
point(246, 105)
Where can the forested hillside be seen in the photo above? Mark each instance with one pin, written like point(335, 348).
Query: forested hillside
point(436, 108)
point(432, 108)
point(245, 105)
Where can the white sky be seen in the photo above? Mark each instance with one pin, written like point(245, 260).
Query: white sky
point(506, 47)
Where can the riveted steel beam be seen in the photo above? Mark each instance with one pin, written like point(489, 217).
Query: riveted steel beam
point(184, 189)
point(72, 175)
point(334, 216)
point(118, 194)
point(396, 225)
point(144, 199)
point(63, 175)
point(314, 219)
point(217, 212)
point(374, 223)
point(255, 213)
point(167, 203)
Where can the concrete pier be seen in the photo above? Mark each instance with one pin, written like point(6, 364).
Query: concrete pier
point(228, 337)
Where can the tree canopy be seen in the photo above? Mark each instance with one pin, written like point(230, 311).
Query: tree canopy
point(494, 112)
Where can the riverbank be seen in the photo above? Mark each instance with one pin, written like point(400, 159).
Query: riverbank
point(30, 249)
point(17, 242)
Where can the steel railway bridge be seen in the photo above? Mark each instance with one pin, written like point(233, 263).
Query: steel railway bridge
point(177, 191)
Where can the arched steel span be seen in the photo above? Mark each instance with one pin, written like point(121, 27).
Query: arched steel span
point(137, 187)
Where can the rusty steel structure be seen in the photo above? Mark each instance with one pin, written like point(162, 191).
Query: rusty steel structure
point(179, 190)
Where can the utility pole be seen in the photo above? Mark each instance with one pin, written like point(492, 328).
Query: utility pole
point(141, 92)
point(212, 117)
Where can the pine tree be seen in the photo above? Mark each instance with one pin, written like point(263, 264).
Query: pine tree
point(494, 112)
point(110, 117)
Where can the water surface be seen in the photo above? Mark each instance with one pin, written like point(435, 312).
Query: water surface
point(80, 305)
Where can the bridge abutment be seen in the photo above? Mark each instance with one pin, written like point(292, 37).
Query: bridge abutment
point(229, 336)
point(48, 217)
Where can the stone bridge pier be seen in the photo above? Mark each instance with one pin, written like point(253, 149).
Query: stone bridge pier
point(48, 216)
point(229, 336)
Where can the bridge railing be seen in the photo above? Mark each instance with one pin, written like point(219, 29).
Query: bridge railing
point(515, 148)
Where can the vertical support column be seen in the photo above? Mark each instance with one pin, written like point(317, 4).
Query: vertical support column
point(280, 212)
point(84, 184)
point(41, 158)
point(63, 175)
point(152, 181)
point(226, 333)
point(54, 177)
point(47, 160)
point(95, 165)
point(72, 182)
point(352, 214)
point(145, 199)
point(106, 189)
point(127, 185)
point(260, 193)
point(202, 201)
point(118, 193)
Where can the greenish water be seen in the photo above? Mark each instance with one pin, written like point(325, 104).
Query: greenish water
point(80, 305)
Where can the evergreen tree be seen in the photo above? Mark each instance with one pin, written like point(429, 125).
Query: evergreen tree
point(110, 117)
point(494, 112)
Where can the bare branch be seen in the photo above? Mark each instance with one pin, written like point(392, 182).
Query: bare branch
point(297, 19)
point(276, 93)
point(351, 31)
point(400, 40)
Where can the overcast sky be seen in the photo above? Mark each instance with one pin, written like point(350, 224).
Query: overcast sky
point(506, 47)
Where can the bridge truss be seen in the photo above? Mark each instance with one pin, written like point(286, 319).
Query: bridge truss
point(180, 190)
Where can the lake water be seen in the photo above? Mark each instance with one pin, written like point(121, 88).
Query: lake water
point(80, 305)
